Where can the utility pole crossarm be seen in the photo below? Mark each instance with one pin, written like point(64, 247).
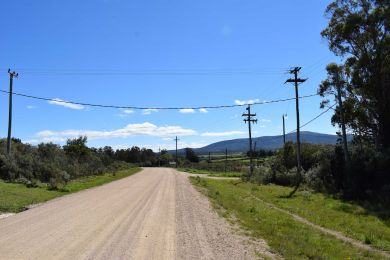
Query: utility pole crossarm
point(251, 120)
point(248, 114)
point(297, 80)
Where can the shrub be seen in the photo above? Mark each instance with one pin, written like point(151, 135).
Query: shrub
point(49, 163)
point(274, 172)
point(8, 168)
point(59, 180)
point(368, 170)
point(326, 174)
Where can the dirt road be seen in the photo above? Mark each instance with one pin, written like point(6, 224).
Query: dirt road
point(155, 214)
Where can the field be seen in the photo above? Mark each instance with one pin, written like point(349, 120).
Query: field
point(212, 173)
point(247, 204)
point(222, 157)
point(16, 197)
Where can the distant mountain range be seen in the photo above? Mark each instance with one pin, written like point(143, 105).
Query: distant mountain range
point(265, 142)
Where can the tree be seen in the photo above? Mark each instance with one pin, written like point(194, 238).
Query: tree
point(359, 31)
point(77, 148)
point(335, 85)
point(165, 157)
point(191, 155)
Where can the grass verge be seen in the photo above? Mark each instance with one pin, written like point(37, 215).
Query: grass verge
point(347, 218)
point(286, 236)
point(16, 197)
point(211, 173)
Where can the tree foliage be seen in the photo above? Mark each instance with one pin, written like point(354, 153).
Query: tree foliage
point(55, 165)
point(358, 31)
point(191, 155)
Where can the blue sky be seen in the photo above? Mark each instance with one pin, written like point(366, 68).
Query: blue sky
point(159, 54)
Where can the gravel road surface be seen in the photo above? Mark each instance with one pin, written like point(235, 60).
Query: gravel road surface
point(154, 214)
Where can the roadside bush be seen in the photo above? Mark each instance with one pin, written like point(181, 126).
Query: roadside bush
point(287, 157)
point(147, 164)
point(326, 174)
point(366, 176)
point(92, 165)
point(288, 178)
point(262, 174)
point(367, 171)
point(59, 180)
point(273, 171)
point(49, 163)
point(33, 183)
point(8, 168)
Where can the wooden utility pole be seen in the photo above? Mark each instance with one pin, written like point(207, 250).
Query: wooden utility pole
point(249, 119)
point(344, 132)
point(284, 131)
point(209, 161)
point(177, 162)
point(226, 157)
point(255, 152)
point(296, 82)
point(159, 157)
point(12, 74)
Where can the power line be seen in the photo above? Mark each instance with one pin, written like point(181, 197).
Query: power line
point(315, 118)
point(57, 100)
point(94, 72)
point(155, 71)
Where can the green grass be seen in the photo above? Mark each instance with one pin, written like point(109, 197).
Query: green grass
point(286, 236)
point(211, 173)
point(16, 197)
point(350, 219)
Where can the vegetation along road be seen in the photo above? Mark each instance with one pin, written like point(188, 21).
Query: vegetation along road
point(155, 214)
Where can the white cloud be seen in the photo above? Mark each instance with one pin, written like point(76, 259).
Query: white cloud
point(187, 111)
point(149, 111)
point(145, 129)
point(203, 110)
point(171, 145)
point(128, 111)
point(246, 102)
point(264, 120)
point(218, 134)
point(60, 102)
point(30, 107)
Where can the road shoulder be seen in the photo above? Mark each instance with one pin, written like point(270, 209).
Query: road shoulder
point(203, 234)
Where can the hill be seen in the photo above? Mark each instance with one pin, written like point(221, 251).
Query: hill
point(265, 142)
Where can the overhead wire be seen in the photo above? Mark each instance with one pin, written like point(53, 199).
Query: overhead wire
point(57, 100)
point(107, 72)
point(315, 118)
